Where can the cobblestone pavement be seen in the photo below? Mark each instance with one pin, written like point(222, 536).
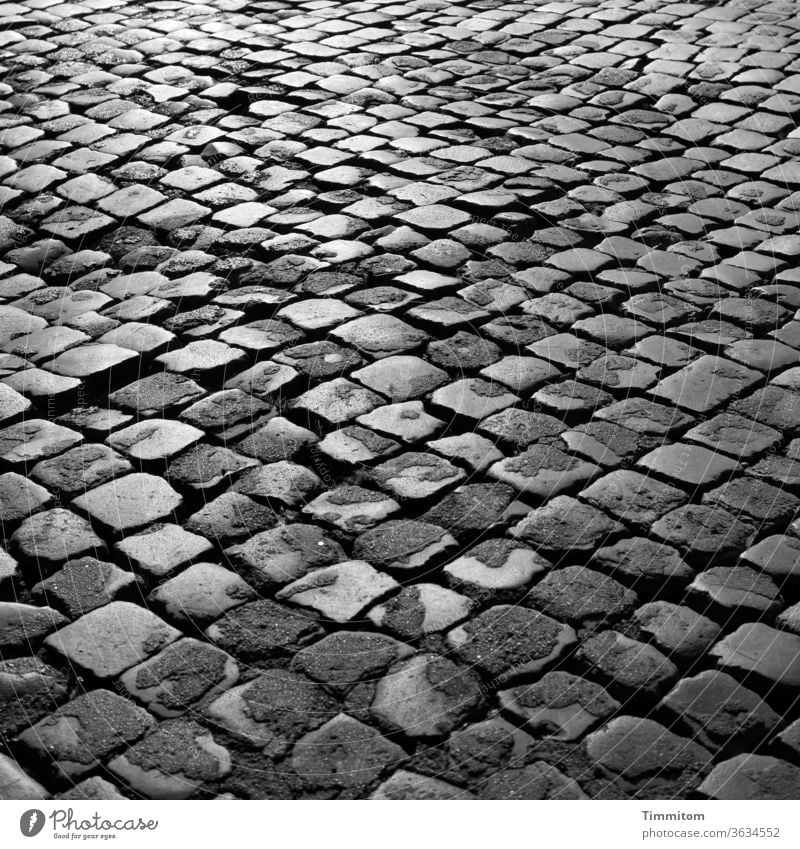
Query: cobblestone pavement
point(399, 399)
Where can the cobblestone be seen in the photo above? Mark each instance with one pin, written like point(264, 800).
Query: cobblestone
point(362, 365)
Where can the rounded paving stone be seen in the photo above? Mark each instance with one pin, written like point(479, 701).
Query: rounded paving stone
point(627, 667)
point(347, 658)
point(110, 639)
point(538, 780)
point(506, 642)
point(84, 584)
point(200, 594)
point(676, 630)
point(274, 710)
point(419, 610)
point(750, 776)
point(425, 696)
point(343, 756)
point(644, 758)
point(543, 471)
point(180, 676)
point(52, 537)
point(404, 545)
point(719, 713)
point(416, 476)
point(262, 631)
point(559, 706)
point(172, 762)
point(341, 592)
point(130, 502)
point(80, 735)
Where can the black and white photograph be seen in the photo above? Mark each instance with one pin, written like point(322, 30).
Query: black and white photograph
point(399, 401)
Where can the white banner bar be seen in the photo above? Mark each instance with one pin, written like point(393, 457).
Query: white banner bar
point(409, 825)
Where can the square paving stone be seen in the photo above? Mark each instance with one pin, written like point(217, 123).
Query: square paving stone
point(543, 471)
point(206, 358)
point(497, 569)
point(107, 641)
point(688, 465)
point(777, 555)
point(773, 406)
point(44, 387)
point(643, 563)
point(161, 548)
point(92, 362)
point(380, 335)
point(172, 762)
point(732, 594)
point(337, 401)
point(704, 534)
point(676, 630)
point(750, 776)
point(756, 653)
point(643, 757)
point(571, 398)
point(579, 596)
point(158, 393)
point(517, 429)
point(283, 554)
point(200, 594)
point(85, 584)
point(406, 421)
point(645, 416)
point(185, 673)
point(129, 503)
point(401, 378)
point(766, 506)
point(154, 439)
point(417, 476)
point(206, 467)
point(565, 525)
point(351, 508)
point(33, 440)
point(230, 413)
point(627, 667)
point(20, 498)
point(24, 626)
point(511, 641)
point(705, 384)
point(174, 214)
point(80, 735)
point(281, 483)
point(230, 517)
point(475, 451)
point(341, 593)
point(262, 631)
point(80, 469)
point(734, 435)
point(52, 537)
point(264, 380)
point(473, 398)
point(12, 404)
point(30, 690)
point(520, 375)
point(265, 335)
point(559, 706)
point(633, 498)
point(354, 445)
point(425, 696)
point(278, 439)
point(45, 344)
point(320, 360)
